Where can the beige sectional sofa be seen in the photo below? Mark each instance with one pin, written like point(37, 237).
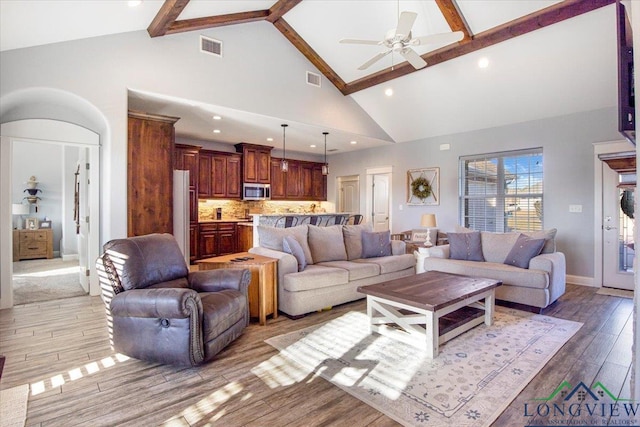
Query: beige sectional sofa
point(538, 285)
point(329, 265)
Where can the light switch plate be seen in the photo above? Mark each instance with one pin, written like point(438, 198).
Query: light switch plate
point(575, 208)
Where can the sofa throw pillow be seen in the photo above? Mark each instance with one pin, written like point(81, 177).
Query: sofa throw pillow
point(291, 246)
point(326, 243)
point(549, 237)
point(376, 244)
point(353, 239)
point(465, 246)
point(523, 250)
point(271, 238)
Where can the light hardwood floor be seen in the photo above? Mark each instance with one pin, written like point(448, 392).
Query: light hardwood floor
point(61, 348)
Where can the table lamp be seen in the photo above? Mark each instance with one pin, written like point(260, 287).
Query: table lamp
point(19, 209)
point(428, 221)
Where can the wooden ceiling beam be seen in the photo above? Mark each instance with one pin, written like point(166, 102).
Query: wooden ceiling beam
point(281, 7)
point(304, 48)
point(454, 18)
point(534, 21)
point(166, 16)
point(216, 21)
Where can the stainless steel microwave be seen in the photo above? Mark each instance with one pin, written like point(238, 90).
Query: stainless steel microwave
point(251, 191)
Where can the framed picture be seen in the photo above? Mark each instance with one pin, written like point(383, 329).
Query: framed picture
point(31, 223)
point(45, 224)
point(419, 235)
point(423, 186)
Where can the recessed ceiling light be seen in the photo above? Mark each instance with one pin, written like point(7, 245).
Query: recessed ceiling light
point(388, 91)
point(217, 118)
point(216, 131)
point(483, 62)
point(354, 142)
point(134, 3)
point(270, 139)
point(313, 146)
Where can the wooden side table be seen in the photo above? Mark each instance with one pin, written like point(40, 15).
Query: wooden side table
point(32, 244)
point(263, 294)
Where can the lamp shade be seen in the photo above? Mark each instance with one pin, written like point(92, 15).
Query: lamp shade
point(428, 220)
point(19, 209)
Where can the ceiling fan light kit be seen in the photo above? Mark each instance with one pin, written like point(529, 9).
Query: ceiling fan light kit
point(400, 40)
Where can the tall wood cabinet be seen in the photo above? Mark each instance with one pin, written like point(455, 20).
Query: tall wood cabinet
point(151, 140)
point(256, 162)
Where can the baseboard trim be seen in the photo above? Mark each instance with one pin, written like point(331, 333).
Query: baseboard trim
point(70, 257)
point(581, 280)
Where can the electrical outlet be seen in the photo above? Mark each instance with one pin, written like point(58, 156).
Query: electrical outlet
point(575, 208)
point(400, 207)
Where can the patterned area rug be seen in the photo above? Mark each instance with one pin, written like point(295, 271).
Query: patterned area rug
point(13, 406)
point(45, 280)
point(473, 379)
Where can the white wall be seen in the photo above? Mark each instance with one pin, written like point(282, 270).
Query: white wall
point(568, 174)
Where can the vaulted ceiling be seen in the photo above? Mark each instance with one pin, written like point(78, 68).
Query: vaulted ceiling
point(543, 58)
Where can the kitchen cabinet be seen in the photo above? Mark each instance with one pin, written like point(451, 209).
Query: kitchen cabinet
point(219, 175)
point(256, 163)
point(303, 181)
point(187, 157)
point(151, 140)
point(245, 236)
point(217, 238)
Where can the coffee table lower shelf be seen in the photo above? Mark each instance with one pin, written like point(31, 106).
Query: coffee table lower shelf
point(427, 329)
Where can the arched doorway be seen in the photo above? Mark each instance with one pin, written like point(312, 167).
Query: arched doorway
point(43, 114)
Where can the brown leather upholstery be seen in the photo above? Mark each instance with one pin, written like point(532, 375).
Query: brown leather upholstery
point(159, 311)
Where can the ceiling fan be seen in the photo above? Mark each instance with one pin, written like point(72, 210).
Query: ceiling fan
point(400, 40)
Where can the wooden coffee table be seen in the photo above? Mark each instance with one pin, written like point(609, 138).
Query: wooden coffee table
point(263, 294)
point(428, 309)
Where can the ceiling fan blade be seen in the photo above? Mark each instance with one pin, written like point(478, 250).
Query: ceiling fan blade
point(373, 60)
point(413, 58)
point(405, 23)
point(357, 41)
point(442, 38)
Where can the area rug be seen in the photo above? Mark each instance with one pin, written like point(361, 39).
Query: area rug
point(472, 380)
point(615, 292)
point(13, 406)
point(45, 280)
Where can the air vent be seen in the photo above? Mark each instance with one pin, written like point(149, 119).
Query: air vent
point(313, 79)
point(210, 46)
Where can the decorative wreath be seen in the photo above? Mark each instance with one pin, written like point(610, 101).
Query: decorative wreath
point(421, 188)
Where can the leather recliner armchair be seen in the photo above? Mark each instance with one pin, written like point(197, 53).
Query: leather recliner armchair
point(160, 312)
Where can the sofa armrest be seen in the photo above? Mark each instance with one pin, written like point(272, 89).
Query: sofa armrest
point(554, 264)
point(161, 303)
point(441, 251)
point(398, 247)
point(219, 279)
point(287, 263)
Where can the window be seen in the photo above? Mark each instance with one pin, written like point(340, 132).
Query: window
point(502, 191)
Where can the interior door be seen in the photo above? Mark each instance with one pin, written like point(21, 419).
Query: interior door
point(82, 220)
point(380, 202)
point(617, 235)
point(349, 195)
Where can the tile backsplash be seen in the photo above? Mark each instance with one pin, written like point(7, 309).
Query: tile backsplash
point(232, 209)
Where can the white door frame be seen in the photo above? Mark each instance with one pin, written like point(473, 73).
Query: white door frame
point(601, 148)
point(369, 193)
point(44, 131)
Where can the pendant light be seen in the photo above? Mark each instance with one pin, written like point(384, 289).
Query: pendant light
point(284, 165)
point(325, 166)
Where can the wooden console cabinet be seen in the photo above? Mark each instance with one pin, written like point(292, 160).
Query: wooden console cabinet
point(32, 244)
